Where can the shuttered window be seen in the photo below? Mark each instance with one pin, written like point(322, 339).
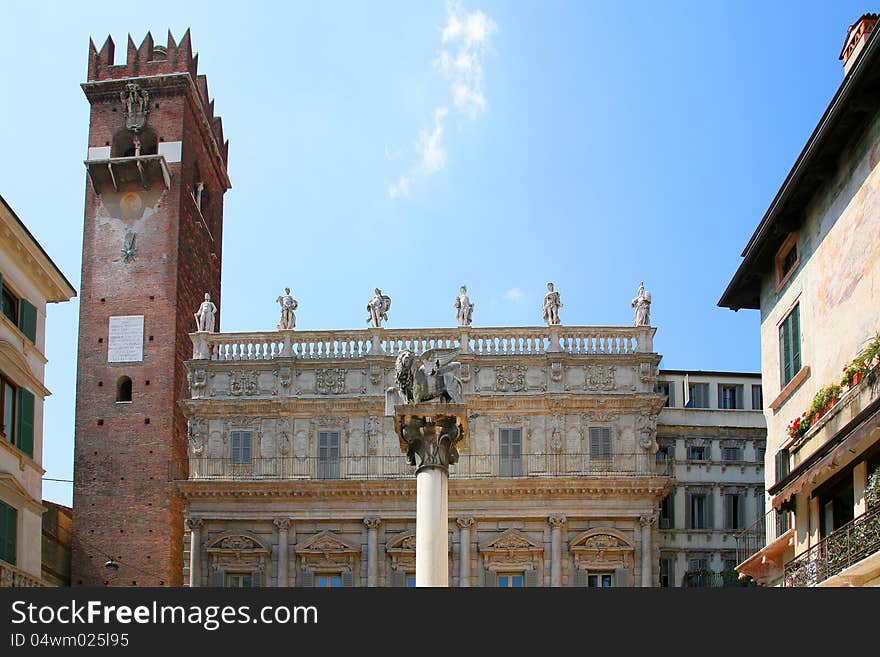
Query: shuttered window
point(790, 346)
point(8, 303)
point(667, 511)
point(733, 511)
point(757, 398)
point(328, 455)
point(8, 398)
point(699, 510)
point(24, 422)
point(8, 533)
point(699, 395)
point(510, 452)
point(242, 446)
point(600, 443)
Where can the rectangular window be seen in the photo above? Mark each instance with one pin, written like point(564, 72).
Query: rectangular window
point(242, 447)
point(757, 397)
point(328, 581)
point(698, 510)
point(733, 511)
point(782, 522)
point(790, 346)
point(730, 396)
point(732, 453)
point(8, 394)
point(8, 533)
point(600, 443)
point(760, 454)
point(510, 452)
point(666, 388)
point(667, 575)
point(328, 455)
point(699, 395)
point(239, 580)
point(698, 564)
point(511, 580)
point(787, 259)
point(600, 580)
point(696, 453)
point(8, 302)
point(410, 580)
point(664, 452)
point(782, 464)
point(667, 511)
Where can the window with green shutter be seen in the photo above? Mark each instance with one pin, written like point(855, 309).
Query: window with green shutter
point(27, 320)
point(8, 302)
point(24, 434)
point(8, 532)
point(790, 346)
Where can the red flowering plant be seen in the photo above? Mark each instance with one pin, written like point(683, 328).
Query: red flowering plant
point(798, 426)
point(853, 373)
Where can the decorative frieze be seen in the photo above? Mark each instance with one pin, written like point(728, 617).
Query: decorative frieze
point(244, 383)
point(599, 377)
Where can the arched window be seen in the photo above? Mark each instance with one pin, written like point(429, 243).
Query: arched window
point(123, 389)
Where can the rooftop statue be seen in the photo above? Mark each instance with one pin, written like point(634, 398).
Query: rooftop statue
point(463, 308)
point(377, 309)
point(551, 306)
point(288, 305)
point(206, 315)
point(642, 305)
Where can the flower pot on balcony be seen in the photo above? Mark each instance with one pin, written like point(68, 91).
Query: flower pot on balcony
point(857, 377)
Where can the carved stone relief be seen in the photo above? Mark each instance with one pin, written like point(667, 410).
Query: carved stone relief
point(599, 377)
point(510, 378)
point(243, 384)
point(330, 381)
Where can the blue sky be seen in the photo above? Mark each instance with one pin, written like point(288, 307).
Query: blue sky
point(500, 145)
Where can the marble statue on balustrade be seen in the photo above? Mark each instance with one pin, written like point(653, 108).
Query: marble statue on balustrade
point(206, 315)
point(288, 305)
point(377, 309)
point(435, 374)
point(551, 306)
point(642, 305)
point(463, 307)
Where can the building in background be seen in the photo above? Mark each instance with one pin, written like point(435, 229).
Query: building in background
point(713, 434)
point(156, 175)
point(812, 268)
point(29, 281)
point(57, 537)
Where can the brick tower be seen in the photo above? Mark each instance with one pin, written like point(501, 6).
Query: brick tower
point(151, 250)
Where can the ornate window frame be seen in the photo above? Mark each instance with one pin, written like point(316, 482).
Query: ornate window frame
point(511, 551)
point(601, 549)
point(326, 552)
point(238, 551)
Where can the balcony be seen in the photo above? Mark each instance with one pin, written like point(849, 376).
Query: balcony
point(390, 467)
point(855, 542)
point(118, 171)
point(12, 577)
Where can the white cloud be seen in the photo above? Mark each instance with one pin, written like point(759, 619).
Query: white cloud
point(400, 188)
point(465, 39)
point(514, 294)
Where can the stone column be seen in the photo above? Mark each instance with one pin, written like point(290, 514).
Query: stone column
point(432, 527)
point(647, 549)
point(556, 522)
point(195, 551)
point(372, 525)
point(283, 525)
point(464, 549)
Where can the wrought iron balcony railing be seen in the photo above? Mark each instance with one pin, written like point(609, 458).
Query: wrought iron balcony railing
point(856, 540)
point(766, 530)
point(711, 579)
point(469, 466)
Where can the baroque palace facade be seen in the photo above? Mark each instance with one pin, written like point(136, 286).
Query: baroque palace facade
point(296, 477)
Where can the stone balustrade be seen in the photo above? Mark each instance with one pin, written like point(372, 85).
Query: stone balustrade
point(355, 344)
point(12, 577)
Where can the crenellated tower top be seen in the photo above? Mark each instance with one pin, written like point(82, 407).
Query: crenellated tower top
point(154, 60)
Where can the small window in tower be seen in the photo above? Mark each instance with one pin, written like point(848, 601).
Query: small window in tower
point(123, 389)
